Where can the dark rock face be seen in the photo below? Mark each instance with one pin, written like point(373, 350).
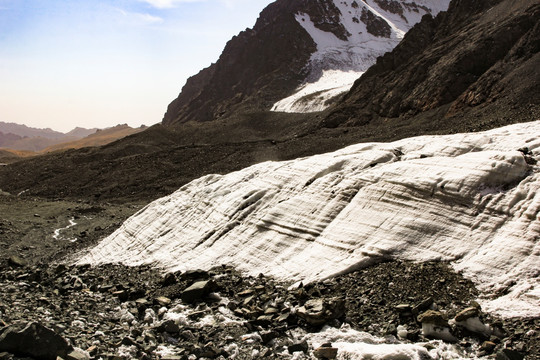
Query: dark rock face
point(476, 54)
point(240, 79)
point(375, 25)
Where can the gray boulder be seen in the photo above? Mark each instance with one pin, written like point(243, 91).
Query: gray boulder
point(34, 340)
point(321, 311)
point(197, 291)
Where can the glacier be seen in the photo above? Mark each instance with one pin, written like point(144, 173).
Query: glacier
point(337, 63)
point(471, 199)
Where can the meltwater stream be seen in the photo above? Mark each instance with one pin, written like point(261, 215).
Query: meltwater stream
point(57, 232)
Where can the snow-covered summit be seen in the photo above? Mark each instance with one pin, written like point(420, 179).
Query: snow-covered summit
point(471, 199)
point(371, 28)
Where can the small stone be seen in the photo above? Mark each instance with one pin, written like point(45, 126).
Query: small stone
point(264, 320)
point(268, 336)
point(301, 346)
point(142, 304)
point(270, 311)
point(433, 317)
point(121, 294)
point(78, 354)
point(488, 347)
point(163, 301)
point(246, 293)
point(92, 350)
point(17, 261)
point(325, 353)
point(169, 279)
point(468, 313)
point(422, 305)
point(402, 308)
point(169, 326)
point(402, 332)
point(283, 317)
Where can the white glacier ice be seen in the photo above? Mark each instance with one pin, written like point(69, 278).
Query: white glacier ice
point(338, 63)
point(357, 345)
point(470, 199)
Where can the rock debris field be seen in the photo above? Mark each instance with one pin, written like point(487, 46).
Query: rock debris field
point(118, 312)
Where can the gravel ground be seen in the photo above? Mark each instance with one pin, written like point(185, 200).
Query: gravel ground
point(117, 312)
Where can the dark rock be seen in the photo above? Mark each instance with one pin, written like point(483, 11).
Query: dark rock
point(507, 354)
point(169, 326)
point(325, 352)
point(468, 313)
point(433, 317)
point(268, 336)
point(300, 346)
point(263, 320)
point(488, 347)
point(169, 279)
point(422, 305)
point(35, 340)
point(17, 261)
point(321, 311)
point(194, 275)
point(122, 295)
point(197, 291)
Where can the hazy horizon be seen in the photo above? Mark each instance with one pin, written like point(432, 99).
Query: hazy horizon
point(101, 63)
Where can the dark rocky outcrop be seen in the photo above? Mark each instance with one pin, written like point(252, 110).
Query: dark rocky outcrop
point(472, 58)
point(256, 67)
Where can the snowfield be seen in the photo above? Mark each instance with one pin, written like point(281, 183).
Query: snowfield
point(470, 199)
point(337, 63)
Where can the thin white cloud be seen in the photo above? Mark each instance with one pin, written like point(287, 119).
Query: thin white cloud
point(141, 18)
point(168, 4)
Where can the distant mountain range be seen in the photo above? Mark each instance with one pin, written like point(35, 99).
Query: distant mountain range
point(23, 141)
point(25, 131)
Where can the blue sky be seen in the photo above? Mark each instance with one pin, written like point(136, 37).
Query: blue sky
point(95, 63)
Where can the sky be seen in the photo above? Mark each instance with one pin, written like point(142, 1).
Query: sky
point(99, 63)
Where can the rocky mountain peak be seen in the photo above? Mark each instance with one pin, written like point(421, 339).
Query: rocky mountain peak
point(310, 50)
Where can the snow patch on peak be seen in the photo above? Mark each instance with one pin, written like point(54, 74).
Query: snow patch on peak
point(374, 27)
point(318, 95)
point(416, 199)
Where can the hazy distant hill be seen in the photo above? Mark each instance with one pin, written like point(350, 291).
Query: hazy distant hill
point(80, 132)
point(97, 138)
point(8, 139)
point(23, 130)
point(25, 138)
point(16, 145)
